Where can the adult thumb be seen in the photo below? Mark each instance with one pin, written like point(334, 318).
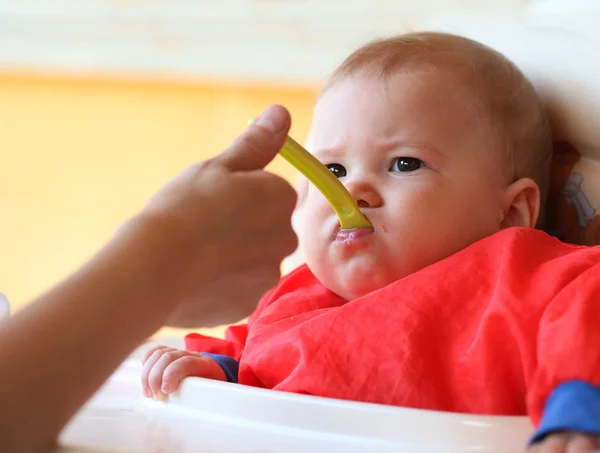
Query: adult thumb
point(259, 143)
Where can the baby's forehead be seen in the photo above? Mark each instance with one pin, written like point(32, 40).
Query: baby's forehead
point(410, 101)
point(441, 81)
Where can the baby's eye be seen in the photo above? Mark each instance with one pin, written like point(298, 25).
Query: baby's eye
point(406, 164)
point(337, 169)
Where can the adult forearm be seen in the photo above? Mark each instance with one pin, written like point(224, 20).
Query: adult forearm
point(58, 351)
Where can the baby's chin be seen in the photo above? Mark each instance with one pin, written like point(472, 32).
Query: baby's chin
point(352, 280)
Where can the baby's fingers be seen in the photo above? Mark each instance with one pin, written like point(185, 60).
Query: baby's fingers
point(566, 442)
point(153, 357)
point(151, 351)
point(191, 365)
point(155, 377)
point(554, 443)
point(581, 443)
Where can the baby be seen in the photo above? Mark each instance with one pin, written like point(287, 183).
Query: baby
point(455, 302)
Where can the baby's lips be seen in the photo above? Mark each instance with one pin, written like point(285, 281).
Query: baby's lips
point(353, 235)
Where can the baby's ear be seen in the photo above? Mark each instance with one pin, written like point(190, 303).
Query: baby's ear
point(521, 204)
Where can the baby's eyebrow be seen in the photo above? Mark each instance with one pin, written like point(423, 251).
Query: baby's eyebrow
point(327, 153)
point(396, 144)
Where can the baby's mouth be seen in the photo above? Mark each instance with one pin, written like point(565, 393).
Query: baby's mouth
point(353, 235)
point(346, 236)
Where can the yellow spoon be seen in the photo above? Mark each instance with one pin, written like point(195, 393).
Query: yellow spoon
point(332, 189)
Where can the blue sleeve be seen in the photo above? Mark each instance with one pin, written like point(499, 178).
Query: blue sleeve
point(229, 366)
point(572, 406)
point(556, 234)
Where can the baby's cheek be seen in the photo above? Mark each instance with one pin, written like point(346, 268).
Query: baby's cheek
point(313, 215)
point(311, 245)
point(314, 247)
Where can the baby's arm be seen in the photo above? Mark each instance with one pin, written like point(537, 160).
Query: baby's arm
point(571, 420)
point(566, 442)
point(564, 394)
point(164, 368)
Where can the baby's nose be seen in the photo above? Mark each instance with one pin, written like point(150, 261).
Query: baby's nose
point(366, 195)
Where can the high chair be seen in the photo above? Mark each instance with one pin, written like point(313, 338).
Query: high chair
point(205, 415)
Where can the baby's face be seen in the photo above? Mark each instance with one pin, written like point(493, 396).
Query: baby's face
point(419, 156)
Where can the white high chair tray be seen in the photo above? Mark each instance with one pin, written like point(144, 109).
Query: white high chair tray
point(210, 416)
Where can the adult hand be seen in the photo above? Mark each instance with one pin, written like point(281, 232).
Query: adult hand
point(214, 236)
point(228, 224)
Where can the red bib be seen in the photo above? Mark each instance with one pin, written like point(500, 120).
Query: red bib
point(490, 330)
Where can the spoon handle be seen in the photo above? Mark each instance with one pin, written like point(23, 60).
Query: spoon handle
point(332, 189)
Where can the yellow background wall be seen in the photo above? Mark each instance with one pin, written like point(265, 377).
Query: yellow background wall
point(80, 156)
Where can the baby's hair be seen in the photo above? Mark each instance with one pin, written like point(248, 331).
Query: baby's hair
point(507, 97)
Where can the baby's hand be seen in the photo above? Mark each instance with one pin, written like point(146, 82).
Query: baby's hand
point(164, 368)
point(566, 442)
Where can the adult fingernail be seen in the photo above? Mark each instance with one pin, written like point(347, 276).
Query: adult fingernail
point(165, 388)
point(273, 119)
